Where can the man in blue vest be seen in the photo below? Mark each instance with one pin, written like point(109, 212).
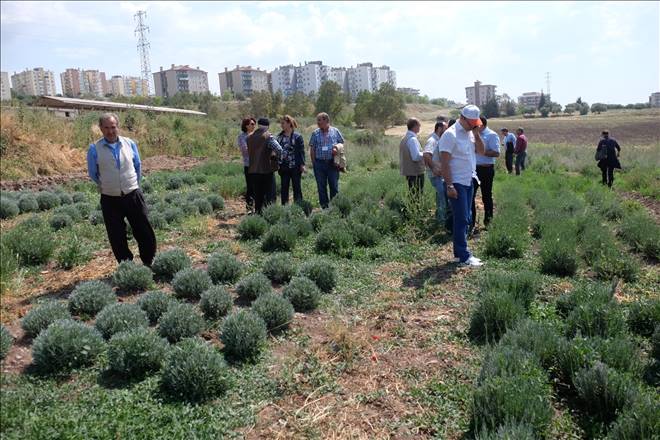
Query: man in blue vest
point(113, 163)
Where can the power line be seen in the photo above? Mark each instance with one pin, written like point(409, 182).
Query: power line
point(143, 48)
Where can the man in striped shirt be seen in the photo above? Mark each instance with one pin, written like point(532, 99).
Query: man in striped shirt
point(321, 150)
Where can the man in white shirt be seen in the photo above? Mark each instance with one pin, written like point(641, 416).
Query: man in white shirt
point(458, 147)
point(411, 163)
point(434, 171)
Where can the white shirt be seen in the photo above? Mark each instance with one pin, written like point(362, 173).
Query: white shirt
point(431, 147)
point(414, 146)
point(460, 144)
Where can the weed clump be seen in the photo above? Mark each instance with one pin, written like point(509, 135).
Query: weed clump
point(115, 318)
point(244, 335)
point(43, 315)
point(89, 297)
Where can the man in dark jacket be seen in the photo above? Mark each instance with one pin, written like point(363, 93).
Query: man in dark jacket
point(609, 150)
point(264, 152)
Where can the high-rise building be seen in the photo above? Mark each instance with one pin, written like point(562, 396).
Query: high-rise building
point(530, 100)
point(654, 99)
point(340, 76)
point(480, 94)
point(34, 82)
point(381, 75)
point(5, 87)
point(71, 82)
point(360, 79)
point(245, 80)
point(94, 83)
point(408, 91)
point(135, 86)
point(184, 79)
point(117, 85)
point(308, 77)
point(283, 79)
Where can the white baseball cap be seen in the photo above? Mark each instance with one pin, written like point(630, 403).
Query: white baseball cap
point(471, 113)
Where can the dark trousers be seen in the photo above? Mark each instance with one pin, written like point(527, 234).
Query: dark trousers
point(486, 176)
point(249, 190)
point(133, 208)
point(415, 184)
point(508, 159)
point(291, 177)
point(608, 175)
point(263, 190)
point(327, 175)
point(520, 162)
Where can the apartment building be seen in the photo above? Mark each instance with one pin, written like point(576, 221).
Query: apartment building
point(34, 82)
point(530, 100)
point(178, 79)
point(479, 94)
point(5, 87)
point(245, 80)
point(654, 99)
point(71, 82)
point(408, 91)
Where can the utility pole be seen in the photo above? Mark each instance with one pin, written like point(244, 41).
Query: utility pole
point(143, 49)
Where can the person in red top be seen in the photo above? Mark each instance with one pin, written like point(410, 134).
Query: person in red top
point(520, 150)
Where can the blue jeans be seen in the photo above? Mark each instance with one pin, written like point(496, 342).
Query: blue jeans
point(443, 211)
point(520, 162)
point(462, 213)
point(326, 174)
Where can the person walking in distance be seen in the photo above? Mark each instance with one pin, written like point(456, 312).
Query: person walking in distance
point(247, 127)
point(607, 153)
point(458, 147)
point(486, 172)
point(113, 163)
point(432, 161)
point(264, 153)
point(520, 150)
point(321, 146)
point(411, 161)
point(509, 142)
point(292, 161)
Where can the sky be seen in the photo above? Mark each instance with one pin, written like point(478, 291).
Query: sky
point(601, 51)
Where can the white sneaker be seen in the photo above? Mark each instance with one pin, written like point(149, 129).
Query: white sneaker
point(472, 261)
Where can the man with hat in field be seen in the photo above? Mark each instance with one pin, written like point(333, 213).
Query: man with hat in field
point(458, 147)
point(264, 152)
point(607, 154)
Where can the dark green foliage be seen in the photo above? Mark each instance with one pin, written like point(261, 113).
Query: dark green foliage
point(74, 253)
point(60, 221)
point(180, 321)
point(558, 255)
point(155, 303)
point(584, 293)
point(641, 232)
point(89, 297)
point(6, 341)
point(190, 283)
point(321, 218)
point(638, 421)
point(132, 277)
point(8, 208)
point(166, 264)
point(523, 285)
point(603, 391)
point(204, 206)
point(508, 432)
point(342, 203)
point(538, 338)
point(244, 335)
point(188, 178)
point(335, 238)
point(507, 236)
point(65, 198)
point(216, 201)
point(70, 210)
point(174, 182)
point(508, 361)
point(43, 315)
point(193, 371)
point(216, 302)
point(31, 241)
point(47, 200)
point(200, 178)
point(364, 235)
point(273, 213)
point(252, 286)
point(573, 355)
point(84, 209)
point(96, 218)
point(306, 206)
point(252, 227)
point(275, 310)
point(596, 319)
point(79, 197)
point(303, 293)
point(189, 208)
point(115, 318)
point(173, 215)
point(621, 353)
point(279, 268)
point(66, 345)
point(136, 352)
point(300, 226)
point(279, 238)
point(224, 268)
point(28, 203)
point(644, 316)
point(655, 343)
point(157, 220)
point(614, 263)
point(322, 272)
point(494, 314)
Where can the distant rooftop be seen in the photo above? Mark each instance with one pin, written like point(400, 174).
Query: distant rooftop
point(183, 67)
point(90, 104)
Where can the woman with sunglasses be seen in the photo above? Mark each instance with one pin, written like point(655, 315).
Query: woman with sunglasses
point(248, 125)
point(292, 161)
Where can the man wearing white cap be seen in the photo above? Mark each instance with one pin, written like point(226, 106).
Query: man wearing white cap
point(458, 147)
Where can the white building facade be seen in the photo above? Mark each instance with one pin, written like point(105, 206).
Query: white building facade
point(5, 87)
point(34, 82)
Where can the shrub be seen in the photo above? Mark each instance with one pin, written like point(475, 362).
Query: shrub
point(69, 210)
point(320, 218)
point(643, 316)
point(342, 203)
point(115, 318)
point(322, 272)
point(300, 226)
point(279, 238)
point(273, 213)
point(79, 197)
point(8, 208)
point(166, 264)
point(603, 391)
point(33, 245)
point(334, 238)
point(157, 220)
point(279, 268)
point(66, 345)
point(47, 200)
point(252, 227)
point(574, 355)
point(204, 206)
point(539, 338)
point(655, 343)
point(89, 297)
point(558, 255)
point(60, 221)
point(83, 208)
point(136, 352)
point(385, 221)
point(74, 253)
point(194, 371)
point(508, 361)
point(244, 335)
point(190, 283)
point(96, 218)
point(180, 321)
point(216, 201)
point(6, 341)
point(275, 310)
point(216, 302)
point(173, 215)
point(132, 277)
point(595, 319)
point(155, 303)
point(28, 203)
point(584, 293)
point(523, 285)
point(495, 313)
point(303, 293)
point(642, 234)
point(364, 235)
point(620, 353)
point(173, 182)
point(508, 431)
point(306, 206)
point(252, 286)
point(505, 240)
point(641, 420)
point(65, 198)
point(224, 268)
point(43, 315)
point(614, 263)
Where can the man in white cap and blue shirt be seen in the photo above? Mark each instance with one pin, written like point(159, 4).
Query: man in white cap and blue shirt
point(458, 147)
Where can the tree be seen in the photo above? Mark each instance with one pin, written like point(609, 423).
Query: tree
point(509, 108)
point(277, 99)
point(261, 103)
point(491, 109)
point(362, 111)
point(227, 95)
point(598, 107)
point(542, 101)
point(298, 105)
point(330, 99)
point(570, 108)
point(583, 107)
point(388, 106)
